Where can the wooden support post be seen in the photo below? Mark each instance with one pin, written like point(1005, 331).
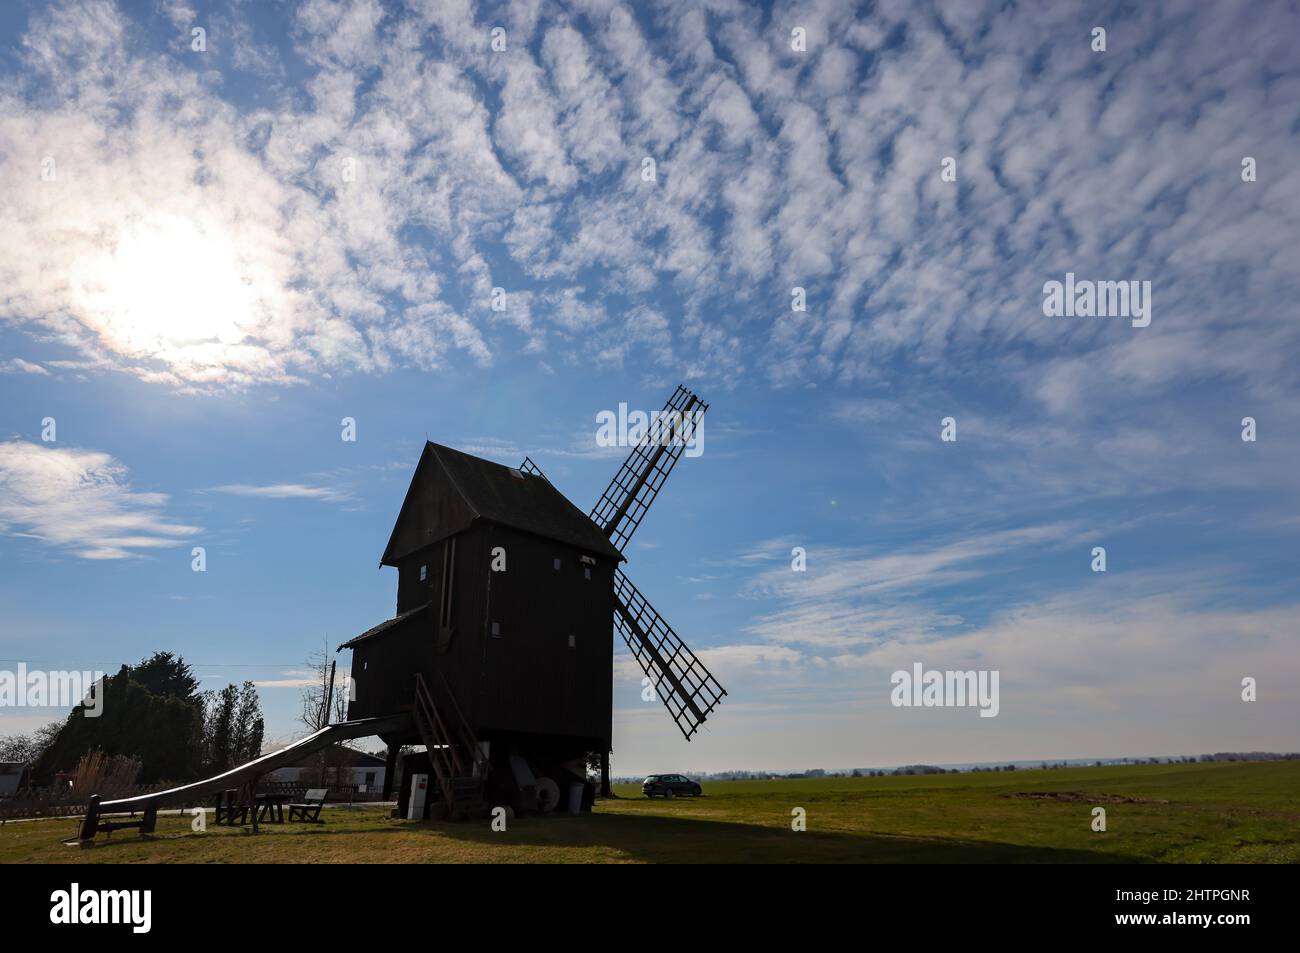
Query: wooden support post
point(604, 775)
point(390, 771)
point(327, 717)
point(91, 822)
point(150, 820)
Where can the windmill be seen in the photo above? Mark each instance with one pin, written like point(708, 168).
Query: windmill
point(508, 596)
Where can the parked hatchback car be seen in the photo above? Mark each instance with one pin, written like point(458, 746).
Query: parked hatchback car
point(670, 785)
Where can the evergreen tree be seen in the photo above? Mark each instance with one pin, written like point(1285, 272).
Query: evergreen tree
point(233, 727)
point(151, 711)
point(249, 724)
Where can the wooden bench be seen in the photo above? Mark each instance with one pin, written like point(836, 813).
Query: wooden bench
point(309, 808)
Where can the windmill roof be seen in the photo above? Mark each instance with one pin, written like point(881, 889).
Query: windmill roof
point(384, 626)
point(510, 497)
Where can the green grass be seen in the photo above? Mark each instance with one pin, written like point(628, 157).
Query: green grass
point(1235, 813)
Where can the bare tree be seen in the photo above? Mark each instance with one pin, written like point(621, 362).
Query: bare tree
point(319, 709)
point(316, 695)
point(28, 747)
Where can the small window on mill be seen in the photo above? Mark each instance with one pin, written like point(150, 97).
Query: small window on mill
point(557, 563)
point(424, 573)
point(496, 630)
point(586, 572)
point(573, 640)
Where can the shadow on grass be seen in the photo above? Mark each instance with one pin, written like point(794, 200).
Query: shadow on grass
point(659, 839)
point(666, 839)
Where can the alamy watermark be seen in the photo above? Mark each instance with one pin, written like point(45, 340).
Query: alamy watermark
point(33, 688)
point(1098, 299)
point(663, 427)
point(133, 908)
point(934, 689)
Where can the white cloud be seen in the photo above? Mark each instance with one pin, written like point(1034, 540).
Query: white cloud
point(80, 500)
point(284, 491)
point(286, 682)
point(18, 366)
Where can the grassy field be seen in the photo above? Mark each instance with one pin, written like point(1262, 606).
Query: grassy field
point(1240, 813)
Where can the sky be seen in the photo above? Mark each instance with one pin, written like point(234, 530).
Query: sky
point(485, 224)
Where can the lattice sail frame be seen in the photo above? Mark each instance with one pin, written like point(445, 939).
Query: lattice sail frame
point(532, 469)
point(624, 503)
point(688, 689)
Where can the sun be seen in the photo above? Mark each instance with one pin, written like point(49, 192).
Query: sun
point(166, 285)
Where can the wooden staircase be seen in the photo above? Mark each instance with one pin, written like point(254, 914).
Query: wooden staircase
point(458, 763)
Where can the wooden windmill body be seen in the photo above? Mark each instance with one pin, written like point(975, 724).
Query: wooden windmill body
point(501, 648)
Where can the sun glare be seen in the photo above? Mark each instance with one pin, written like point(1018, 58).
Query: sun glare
point(166, 286)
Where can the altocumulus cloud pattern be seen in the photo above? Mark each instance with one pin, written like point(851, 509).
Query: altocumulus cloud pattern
point(337, 187)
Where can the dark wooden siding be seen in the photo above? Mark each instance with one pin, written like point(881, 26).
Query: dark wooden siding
point(532, 679)
point(459, 666)
point(383, 670)
point(526, 679)
point(411, 591)
point(433, 510)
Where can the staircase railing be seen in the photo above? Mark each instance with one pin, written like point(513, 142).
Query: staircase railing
point(443, 756)
point(466, 733)
point(453, 750)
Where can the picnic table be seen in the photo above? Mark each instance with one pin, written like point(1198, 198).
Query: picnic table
point(270, 807)
point(233, 810)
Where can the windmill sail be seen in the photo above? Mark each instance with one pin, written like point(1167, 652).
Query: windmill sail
point(688, 689)
point(532, 469)
point(625, 501)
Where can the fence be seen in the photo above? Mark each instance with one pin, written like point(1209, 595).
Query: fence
point(53, 802)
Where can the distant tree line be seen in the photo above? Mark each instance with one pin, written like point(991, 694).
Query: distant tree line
point(921, 769)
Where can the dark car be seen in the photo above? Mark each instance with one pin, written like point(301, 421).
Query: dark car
point(670, 785)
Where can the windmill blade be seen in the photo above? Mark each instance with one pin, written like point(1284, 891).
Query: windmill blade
point(624, 503)
point(531, 468)
point(688, 689)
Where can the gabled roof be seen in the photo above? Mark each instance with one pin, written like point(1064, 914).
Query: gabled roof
point(384, 626)
point(506, 496)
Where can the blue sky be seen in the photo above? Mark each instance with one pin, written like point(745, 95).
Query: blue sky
point(209, 258)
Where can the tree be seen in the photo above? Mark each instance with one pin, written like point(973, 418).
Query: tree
point(28, 748)
point(166, 675)
point(151, 711)
point(314, 696)
point(218, 724)
point(232, 727)
point(250, 726)
point(319, 709)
